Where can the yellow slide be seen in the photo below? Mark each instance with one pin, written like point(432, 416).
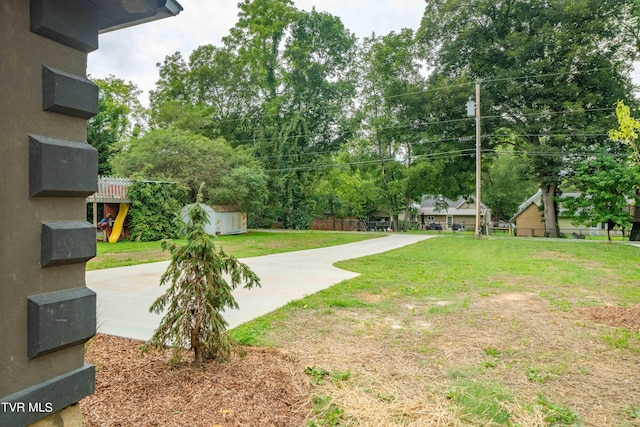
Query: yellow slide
point(119, 223)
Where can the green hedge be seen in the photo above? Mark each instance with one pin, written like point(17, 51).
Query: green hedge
point(154, 207)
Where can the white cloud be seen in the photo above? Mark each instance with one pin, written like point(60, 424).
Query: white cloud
point(132, 54)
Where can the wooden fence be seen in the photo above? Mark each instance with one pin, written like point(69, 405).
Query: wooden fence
point(338, 224)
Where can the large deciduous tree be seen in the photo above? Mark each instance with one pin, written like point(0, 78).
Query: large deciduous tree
point(258, 38)
point(550, 71)
point(190, 159)
point(208, 93)
point(120, 116)
point(390, 114)
point(316, 93)
point(298, 64)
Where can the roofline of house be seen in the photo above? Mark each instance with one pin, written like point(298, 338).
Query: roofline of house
point(119, 14)
point(452, 205)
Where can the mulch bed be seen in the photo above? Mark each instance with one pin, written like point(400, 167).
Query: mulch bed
point(621, 317)
point(264, 388)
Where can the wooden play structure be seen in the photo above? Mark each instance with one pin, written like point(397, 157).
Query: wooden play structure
point(112, 194)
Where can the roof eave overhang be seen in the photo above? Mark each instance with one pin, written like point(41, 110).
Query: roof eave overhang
point(119, 14)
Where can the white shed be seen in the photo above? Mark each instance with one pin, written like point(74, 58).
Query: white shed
point(223, 220)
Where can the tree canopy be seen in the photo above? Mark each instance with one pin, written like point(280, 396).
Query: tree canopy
point(550, 71)
point(293, 117)
point(606, 186)
point(120, 116)
point(174, 154)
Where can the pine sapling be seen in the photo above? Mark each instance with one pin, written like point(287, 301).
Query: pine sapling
point(198, 292)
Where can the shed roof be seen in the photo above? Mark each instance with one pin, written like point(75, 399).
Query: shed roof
point(536, 199)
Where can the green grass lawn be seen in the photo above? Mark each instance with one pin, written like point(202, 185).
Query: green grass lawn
point(459, 268)
point(455, 330)
point(476, 332)
point(254, 243)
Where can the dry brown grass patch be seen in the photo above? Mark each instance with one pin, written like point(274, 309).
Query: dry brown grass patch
point(400, 377)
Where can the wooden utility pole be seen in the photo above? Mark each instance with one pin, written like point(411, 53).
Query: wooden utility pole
point(478, 232)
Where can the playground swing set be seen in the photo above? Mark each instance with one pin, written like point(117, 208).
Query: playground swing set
point(112, 204)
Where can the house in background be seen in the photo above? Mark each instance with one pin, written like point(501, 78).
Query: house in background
point(437, 212)
point(529, 220)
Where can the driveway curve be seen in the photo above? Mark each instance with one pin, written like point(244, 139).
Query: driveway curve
point(125, 293)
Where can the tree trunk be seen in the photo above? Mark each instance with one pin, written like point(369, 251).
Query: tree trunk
point(634, 236)
point(550, 216)
point(196, 345)
point(635, 232)
point(407, 208)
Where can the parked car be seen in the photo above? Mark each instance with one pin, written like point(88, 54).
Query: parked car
point(434, 226)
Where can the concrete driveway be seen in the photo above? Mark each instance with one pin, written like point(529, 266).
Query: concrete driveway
point(126, 293)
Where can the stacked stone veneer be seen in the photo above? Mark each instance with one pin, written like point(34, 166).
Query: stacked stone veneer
point(47, 170)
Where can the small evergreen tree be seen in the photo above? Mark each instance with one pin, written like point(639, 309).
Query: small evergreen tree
point(198, 293)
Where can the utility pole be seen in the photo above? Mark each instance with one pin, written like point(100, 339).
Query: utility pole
point(473, 109)
point(478, 233)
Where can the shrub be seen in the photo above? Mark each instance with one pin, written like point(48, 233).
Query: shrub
point(154, 208)
point(198, 294)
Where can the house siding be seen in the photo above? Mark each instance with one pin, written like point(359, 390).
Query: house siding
point(462, 213)
point(530, 222)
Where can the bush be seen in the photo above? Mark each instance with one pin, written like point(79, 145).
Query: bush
point(198, 294)
point(154, 208)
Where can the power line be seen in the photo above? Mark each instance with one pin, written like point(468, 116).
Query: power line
point(439, 156)
point(431, 156)
point(436, 89)
point(558, 154)
point(545, 135)
point(560, 73)
point(433, 141)
point(546, 112)
point(423, 124)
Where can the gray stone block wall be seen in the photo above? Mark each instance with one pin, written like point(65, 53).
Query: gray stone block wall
point(46, 171)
